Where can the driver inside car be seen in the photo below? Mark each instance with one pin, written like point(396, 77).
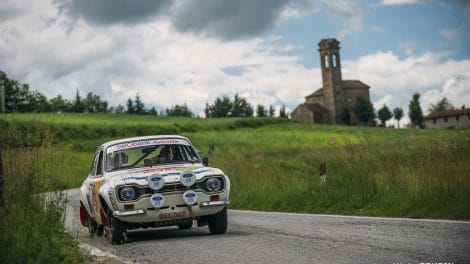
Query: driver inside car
point(166, 154)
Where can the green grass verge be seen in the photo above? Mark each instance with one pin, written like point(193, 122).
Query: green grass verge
point(31, 225)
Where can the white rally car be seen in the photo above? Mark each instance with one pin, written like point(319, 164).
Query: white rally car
point(152, 181)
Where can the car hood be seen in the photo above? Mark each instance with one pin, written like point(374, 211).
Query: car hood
point(171, 174)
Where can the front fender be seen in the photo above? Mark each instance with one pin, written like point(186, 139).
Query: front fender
point(108, 197)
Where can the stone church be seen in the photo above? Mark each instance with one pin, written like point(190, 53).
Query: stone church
point(324, 106)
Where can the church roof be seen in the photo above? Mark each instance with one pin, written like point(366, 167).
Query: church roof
point(315, 107)
point(346, 84)
point(354, 84)
point(318, 92)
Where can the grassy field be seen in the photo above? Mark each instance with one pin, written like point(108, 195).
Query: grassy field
point(370, 171)
point(274, 165)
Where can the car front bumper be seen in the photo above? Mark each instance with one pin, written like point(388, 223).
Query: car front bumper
point(142, 211)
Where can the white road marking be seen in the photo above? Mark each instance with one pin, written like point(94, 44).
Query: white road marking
point(356, 217)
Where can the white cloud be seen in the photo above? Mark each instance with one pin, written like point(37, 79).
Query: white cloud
point(456, 89)
point(398, 2)
point(408, 47)
point(351, 11)
point(167, 67)
point(394, 80)
point(377, 29)
point(291, 12)
point(385, 100)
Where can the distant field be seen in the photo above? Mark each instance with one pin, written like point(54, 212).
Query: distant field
point(105, 119)
point(274, 164)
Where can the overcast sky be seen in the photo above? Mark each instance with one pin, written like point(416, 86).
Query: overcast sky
point(193, 51)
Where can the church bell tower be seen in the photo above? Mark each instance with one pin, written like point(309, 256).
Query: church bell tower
point(333, 95)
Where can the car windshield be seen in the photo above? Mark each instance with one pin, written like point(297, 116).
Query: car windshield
point(146, 153)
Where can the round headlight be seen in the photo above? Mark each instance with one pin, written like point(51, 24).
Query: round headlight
point(127, 193)
point(213, 184)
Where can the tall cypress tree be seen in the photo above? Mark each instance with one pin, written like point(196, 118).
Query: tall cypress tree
point(415, 113)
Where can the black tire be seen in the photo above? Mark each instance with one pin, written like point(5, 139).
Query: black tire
point(100, 231)
point(117, 229)
point(218, 223)
point(186, 226)
point(92, 226)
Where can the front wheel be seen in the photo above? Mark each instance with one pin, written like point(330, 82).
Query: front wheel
point(92, 225)
point(218, 223)
point(117, 229)
point(186, 225)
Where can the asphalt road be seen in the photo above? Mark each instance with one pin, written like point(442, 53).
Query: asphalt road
point(261, 237)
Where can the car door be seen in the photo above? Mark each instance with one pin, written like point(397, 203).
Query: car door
point(94, 182)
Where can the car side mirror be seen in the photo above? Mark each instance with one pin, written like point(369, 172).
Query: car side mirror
point(205, 161)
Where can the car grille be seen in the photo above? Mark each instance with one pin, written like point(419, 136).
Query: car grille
point(166, 189)
point(169, 188)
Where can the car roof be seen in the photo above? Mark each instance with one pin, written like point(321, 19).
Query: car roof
point(110, 143)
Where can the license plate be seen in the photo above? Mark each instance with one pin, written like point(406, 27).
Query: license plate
point(171, 216)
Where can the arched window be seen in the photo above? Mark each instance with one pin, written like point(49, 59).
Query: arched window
point(326, 61)
point(333, 61)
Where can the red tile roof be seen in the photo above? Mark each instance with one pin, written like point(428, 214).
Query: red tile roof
point(455, 112)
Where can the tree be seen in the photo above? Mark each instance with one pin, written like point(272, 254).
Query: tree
point(384, 115)
point(415, 113)
point(139, 107)
point(207, 110)
point(59, 104)
point(179, 110)
point(16, 94)
point(78, 105)
point(398, 114)
point(441, 105)
point(93, 104)
point(18, 98)
point(221, 108)
point(261, 111)
point(153, 111)
point(224, 107)
point(130, 106)
point(364, 110)
point(345, 116)
point(119, 109)
point(240, 107)
point(282, 112)
point(37, 102)
point(271, 111)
